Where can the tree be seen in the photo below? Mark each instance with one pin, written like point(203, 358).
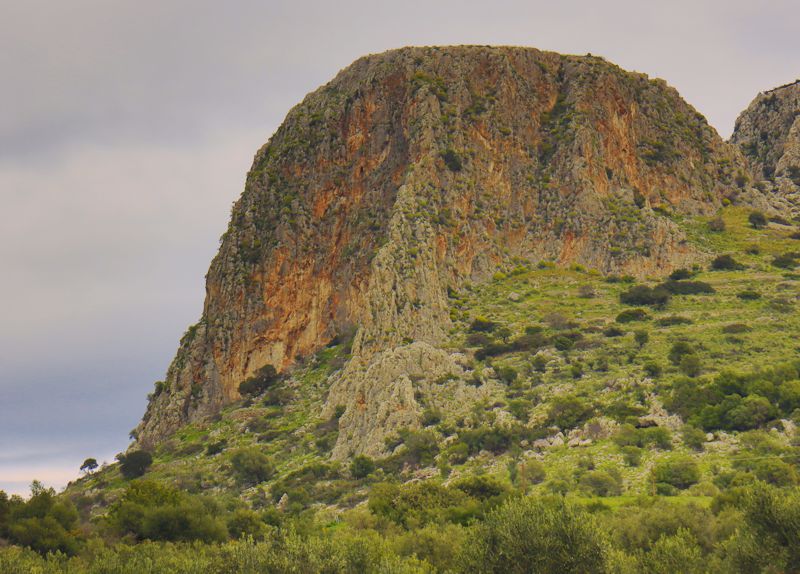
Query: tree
point(89, 465)
point(135, 463)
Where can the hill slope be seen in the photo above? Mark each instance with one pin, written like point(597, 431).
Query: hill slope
point(414, 173)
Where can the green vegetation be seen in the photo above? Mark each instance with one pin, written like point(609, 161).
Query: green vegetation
point(622, 425)
point(134, 463)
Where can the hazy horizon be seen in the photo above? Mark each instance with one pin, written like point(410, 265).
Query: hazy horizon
point(128, 131)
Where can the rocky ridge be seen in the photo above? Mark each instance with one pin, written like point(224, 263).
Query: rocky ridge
point(413, 173)
point(768, 133)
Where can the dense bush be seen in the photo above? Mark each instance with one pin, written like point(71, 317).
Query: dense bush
point(251, 466)
point(134, 463)
point(680, 274)
point(687, 287)
point(262, 380)
point(679, 350)
point(749, 295)
point(482, 325)
point(644, 295)
point(757, 220)
point(601, 483)
point(671, 320)
point(452, 160)
point(680, 472)
point(629, 435)
point(362, 466)
point(150, 510)
point(630, 315)
point(44, 523)
point(725, 263)
point(547, 536)
point(567, 412)
point(785, 261)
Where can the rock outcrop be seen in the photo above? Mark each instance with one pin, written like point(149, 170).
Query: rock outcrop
point(768, 133)
point(415, 171)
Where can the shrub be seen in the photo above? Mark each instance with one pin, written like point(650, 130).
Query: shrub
point(725, 262)
point(135, 463)
point(262, 380)
point(45, 523)
point(452, 160)
point(567, 412)
point(529, 342)
point(422, 446)
point(767, 538)
point(482, 325)
point(687, 287)
point(680, 472)
point(520, 409)
point(717, 225)
point(652, 369)
point(547, 536)
point(600, 483)
point(680, 274)
point(154, 511)
point(531, 472)
point(478, 340)
point(507, 374)
point(641, 337)
point(757, 220)
point(431, 416)
point(643, 295)
point(362, 466)
point(632, 455)
point(693, 437)
point(691, 365)
point(678, 350)
point(252, 466)
point(671, 320)
point(785, 261)
point(749, 295)
point(493, 349)
point(216, 447)
point(630, 315)
point(539, 363)
point(735, 328)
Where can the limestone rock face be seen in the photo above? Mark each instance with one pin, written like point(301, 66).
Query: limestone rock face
point(768, 133)
point(417, 170)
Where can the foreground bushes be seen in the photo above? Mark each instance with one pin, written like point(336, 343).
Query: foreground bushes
point(416, 528)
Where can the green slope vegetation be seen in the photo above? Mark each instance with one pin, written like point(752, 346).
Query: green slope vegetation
point(658, 416)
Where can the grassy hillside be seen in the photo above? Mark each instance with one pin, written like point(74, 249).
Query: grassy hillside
point(653, 406)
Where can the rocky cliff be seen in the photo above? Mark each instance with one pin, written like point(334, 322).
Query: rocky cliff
point(414, 172)
point(768, 132)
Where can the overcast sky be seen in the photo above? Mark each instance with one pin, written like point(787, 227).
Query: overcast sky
point(126, 130)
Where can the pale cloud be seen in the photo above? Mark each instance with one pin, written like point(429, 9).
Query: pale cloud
point(127, 128)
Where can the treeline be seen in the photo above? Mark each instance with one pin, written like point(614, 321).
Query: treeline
point(473, 525)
